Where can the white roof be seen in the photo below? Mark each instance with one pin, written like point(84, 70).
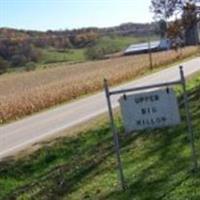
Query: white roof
point(142, 46)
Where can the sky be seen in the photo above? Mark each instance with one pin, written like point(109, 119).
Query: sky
point(69, 14)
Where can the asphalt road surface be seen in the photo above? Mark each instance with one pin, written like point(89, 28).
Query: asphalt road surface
point(19, 135)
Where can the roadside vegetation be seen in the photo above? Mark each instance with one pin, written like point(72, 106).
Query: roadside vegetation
point(157, 163)
point(28, 92)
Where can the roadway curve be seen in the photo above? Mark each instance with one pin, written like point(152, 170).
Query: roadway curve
point(20, 134)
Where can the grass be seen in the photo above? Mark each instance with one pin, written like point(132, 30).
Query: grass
point(112, 46)
point(68, 55)
point(156, 164)
point(119, 43)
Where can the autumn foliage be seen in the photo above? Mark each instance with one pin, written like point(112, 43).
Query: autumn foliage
point(17, 48)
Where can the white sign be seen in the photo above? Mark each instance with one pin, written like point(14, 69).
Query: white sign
point(149, 110)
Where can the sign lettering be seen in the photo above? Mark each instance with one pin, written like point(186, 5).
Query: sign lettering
point(150, 110)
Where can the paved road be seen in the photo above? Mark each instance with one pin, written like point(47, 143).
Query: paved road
point(18, 135)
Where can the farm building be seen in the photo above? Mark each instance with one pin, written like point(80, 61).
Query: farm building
point(146, 47)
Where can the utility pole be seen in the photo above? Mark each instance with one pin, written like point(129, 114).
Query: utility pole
point(150, 53)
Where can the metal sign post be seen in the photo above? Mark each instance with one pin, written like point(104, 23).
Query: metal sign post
point(166, 122)
point(115, 137)
point(189, 120)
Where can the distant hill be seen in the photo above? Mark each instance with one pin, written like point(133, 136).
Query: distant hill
point(131, 29)
point(123, 29)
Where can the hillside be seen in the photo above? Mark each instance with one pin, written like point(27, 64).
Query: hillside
point(137, 29)
point(156, 163)
point(29, 48)
point(123, 29)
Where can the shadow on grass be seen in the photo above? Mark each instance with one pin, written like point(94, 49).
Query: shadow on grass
point(82, 155)
point(168, 176)
point(156, 161)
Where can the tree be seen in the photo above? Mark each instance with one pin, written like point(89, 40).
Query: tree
point(18, 51)
point(175, 34)
point(163, 9)
point(187, 9)
point(190, 21)
point(94, 53)
point(18, 60)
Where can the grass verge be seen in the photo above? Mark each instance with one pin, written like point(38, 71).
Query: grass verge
point(156, 164)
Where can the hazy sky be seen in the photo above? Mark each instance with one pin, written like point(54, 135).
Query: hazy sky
point(68, 14)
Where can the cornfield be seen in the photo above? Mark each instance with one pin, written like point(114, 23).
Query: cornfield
point(27, 92)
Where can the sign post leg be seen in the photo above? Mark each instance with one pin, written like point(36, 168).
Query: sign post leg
point(115, 137)
point(189, 120)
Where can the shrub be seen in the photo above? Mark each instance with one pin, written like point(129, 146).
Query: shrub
point(93, 53)
point(3, 65)
point(101, 48)
point(18, 52)
point(18, 60)
point(30, 66)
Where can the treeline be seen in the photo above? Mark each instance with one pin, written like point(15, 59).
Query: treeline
point(20, 48)
point(57, 39)
point(17, 52)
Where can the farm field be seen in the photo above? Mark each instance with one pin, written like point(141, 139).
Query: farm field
point(28, 92)
point(157, 163)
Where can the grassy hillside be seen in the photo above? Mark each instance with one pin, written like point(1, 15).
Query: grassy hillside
point(112, 44)
point(119, 43)
point(108, 45)
point(156, 164)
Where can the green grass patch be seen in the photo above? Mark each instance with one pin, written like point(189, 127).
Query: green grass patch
point(67, 55)
point(53, 56)
point(122, 42)
point(156, 164)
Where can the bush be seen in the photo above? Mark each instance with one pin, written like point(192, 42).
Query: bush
point(18, 60)
point(35, 54)
point(18, 52)
point(101, 48)
point(93, 53)
point(30, 66)
point(3, 65)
